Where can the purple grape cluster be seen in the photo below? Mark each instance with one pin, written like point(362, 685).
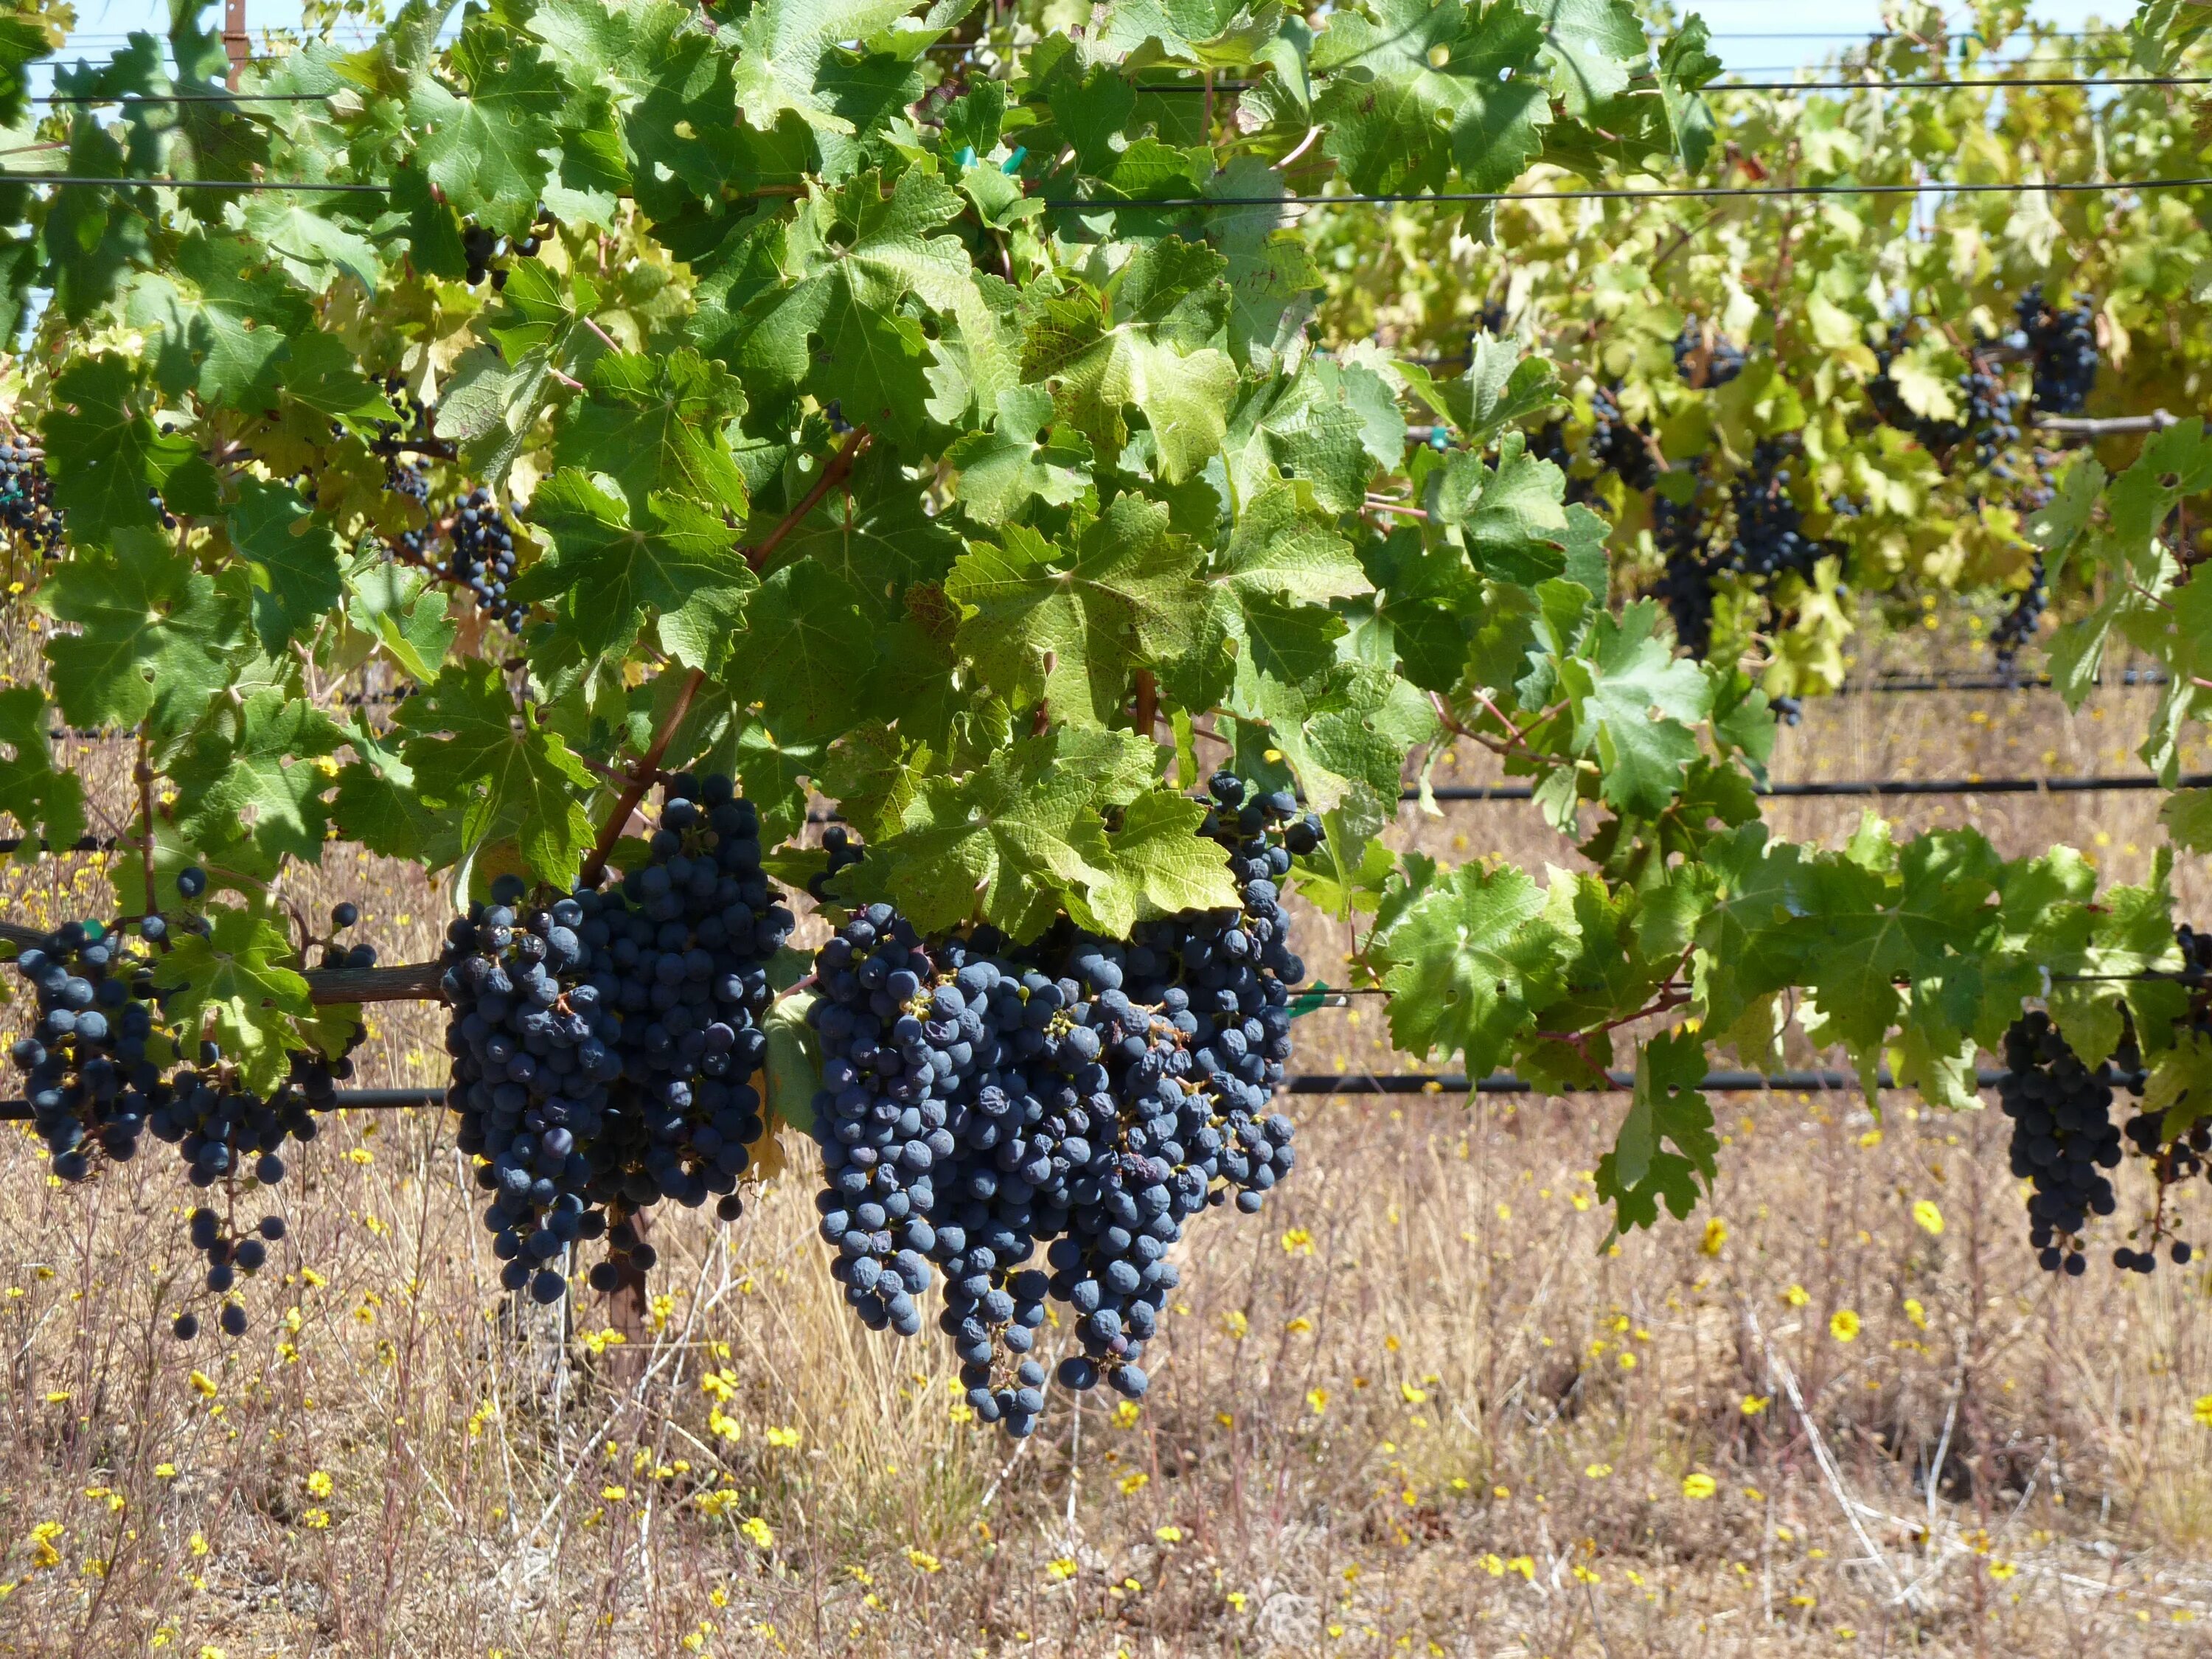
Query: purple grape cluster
point(2064, 356)
point(27, 500)
point(96, 1071)
point(1090, 1095)
point(2063, 1137)
point(603, 1043)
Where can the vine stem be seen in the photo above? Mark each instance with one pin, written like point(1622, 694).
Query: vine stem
point(840, 468)
point(641, 779)
point(648, 765)
point(1148, 703)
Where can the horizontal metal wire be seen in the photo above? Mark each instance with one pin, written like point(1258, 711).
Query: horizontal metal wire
point(192, 184)
point(1947, 85)
point(1856, 787)
point(127, 98)
point(1217, 203)
point(1489, 791)
point(1312, 1084)
point(1665, 192)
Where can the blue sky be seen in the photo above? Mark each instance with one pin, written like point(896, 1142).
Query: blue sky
point(1753, 36)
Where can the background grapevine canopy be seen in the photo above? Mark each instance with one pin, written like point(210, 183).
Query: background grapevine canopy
point(981, 440)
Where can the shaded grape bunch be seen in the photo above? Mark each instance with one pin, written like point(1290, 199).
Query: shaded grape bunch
point(2171, 1162)
point(2183, 1156)
point(1993, 414)
point(603, 1044)
point(480, 247)
point(1617, 446)
point(2196, 955)
point(1770, 539)
point(97, 1074)
point(233, 1138)
point(1992, 421)
point(93, 1061)
point(2063, 1140)
point(898, 1060)
point(533, 1055)
point(2064, 356)
point(2018, 624)
point(481, 556)
point(981, 1099)
point(1705, 358)
point(1685, 576)
point(27, 500)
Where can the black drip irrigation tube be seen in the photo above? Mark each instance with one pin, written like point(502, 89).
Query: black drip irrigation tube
point(1320, 1084)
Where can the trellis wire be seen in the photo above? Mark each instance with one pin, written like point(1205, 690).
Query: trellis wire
point(1946, 85)
point(1619, 193)
point(1217, 203)
point(1310, 1083)
point(1505, 792)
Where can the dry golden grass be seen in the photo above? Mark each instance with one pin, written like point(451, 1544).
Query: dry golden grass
point(1412, 1408)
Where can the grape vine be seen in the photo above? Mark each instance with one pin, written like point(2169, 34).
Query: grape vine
point(958, 452)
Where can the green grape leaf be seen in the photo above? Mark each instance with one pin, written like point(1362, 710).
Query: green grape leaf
point(234, 985)
point(1139, 343)
point(1209, 33)
point(312, 242)
point(655, 426)
point(224, 330)
point(294, 559)
point(1269, 594)
point(879, 535)
point(484, 148)
point(605, 574)
point(1595, 48)
point(43, 801)
point(405, 610)
point(2180, 1084)
point(1330, 426)
point(1473, 961)
point(102, 452)
point(1509, 517)
point(2187, 816)
point(1013, 842)
point(1925, 925)
point(1686, 65)
point(22, 41)
point(1070, 625)
point(1156, 865)
point(794, 1063)
point(874, 364)
point(1503, 387)
point(472, 749)
point(1666, 1109)
point(376, 805)
point(1343, 735)
point(320, 371)
point(1748, 943)
point(256, 776)
point(804, 650)
point(997, 474)
point(1418, 91)
point(1633, 704)
point(153, 635)
point(781, 44)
